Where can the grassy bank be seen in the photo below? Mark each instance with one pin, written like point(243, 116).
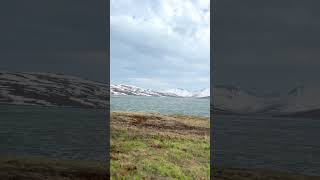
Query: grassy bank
point(159, 146)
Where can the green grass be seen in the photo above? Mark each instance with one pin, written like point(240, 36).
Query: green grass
point(148, 154)
point(137, 155)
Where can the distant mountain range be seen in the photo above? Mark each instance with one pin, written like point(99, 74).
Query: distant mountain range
point(47, 89)
point(137, 91)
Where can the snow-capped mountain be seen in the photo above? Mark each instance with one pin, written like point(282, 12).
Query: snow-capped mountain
point(180, 92)
point(202, 93)
point(48, 89)
point(185, 93)
point(136, 91)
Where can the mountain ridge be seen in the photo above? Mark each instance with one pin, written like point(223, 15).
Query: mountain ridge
point(52, 89)
point(49, 89)
point(121, 89)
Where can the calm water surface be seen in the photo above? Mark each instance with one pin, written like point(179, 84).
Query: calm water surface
point(164, 105)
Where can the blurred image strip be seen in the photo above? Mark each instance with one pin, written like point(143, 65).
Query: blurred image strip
point(54, 89)
point(266, 95)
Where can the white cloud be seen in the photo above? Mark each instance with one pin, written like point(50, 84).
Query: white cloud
point(153, 36)
point(153, 83)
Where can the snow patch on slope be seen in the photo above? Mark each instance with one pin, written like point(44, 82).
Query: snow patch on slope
point(180, 92)
point(202, 93)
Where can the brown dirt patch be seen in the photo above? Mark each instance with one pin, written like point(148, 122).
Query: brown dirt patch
point(162, 123)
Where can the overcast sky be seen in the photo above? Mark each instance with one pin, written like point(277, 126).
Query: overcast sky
point(160, 44)
point(56, 36)
point(267, 46)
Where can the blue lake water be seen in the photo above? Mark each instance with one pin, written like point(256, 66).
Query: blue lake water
point(164, 105)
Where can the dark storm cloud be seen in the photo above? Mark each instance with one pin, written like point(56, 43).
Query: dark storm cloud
point(260, 44)
point(65, 36)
